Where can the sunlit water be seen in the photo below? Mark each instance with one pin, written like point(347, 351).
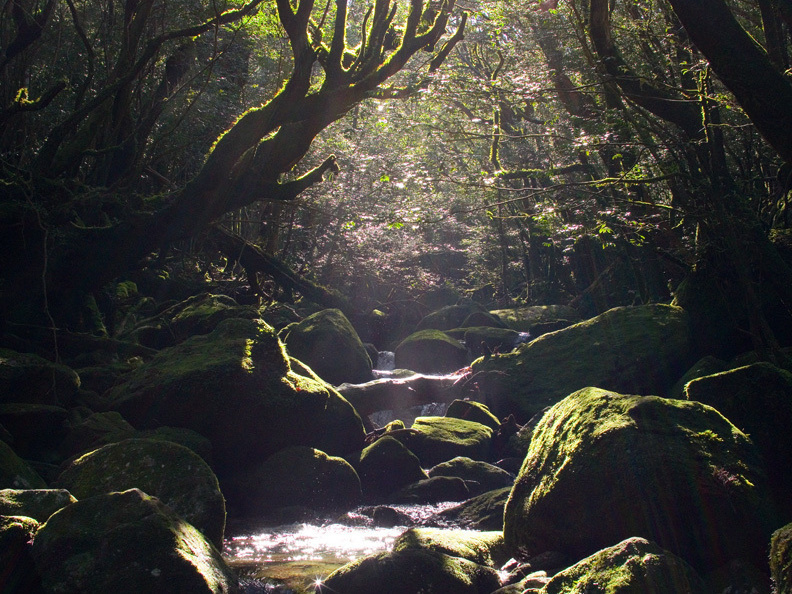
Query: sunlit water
point(291, 558)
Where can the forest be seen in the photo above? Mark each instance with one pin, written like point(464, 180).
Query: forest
point(216, 216)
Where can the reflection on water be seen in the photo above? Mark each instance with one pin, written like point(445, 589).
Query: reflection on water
point(295, 556)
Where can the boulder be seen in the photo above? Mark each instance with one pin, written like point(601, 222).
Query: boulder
point(479, 319)
point(15, 473)
point(37, 429)
point(470, 410)
point(479, 476)
point(300, 476)
point(705, 366)
point(127, 543)
point(174, 474)
point(636, 350)
point(235, 387)
point(18, 574)
point(384, 467)
point(523, 318)
point(38, 504)
point(328, 344)
point(437, 439)
point(95, 431)
point(25, 377)
point(483, 512)
point(431, 351)
point(604, 466)
point(781, 559)
point(433, 490)
point(484, 548)
point(758, 400)
point(448, 317)
point(634, 566)
point(483, 341)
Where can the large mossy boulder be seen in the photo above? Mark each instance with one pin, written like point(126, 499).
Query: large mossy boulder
point(18, 574)
point(781, 559)
point(758, 400)
point(479, 476)
point(37, 429)
point(38, 504)
point(524, 318)
point(636, 350)
point(328, 344)
point(437, 439)
point(235, 387)
point(430, 351)
point(25, 377)
point(483, 512)
point(634, 566)
point(485, 548)
point(300, 476)
point(470, 410)
point(127, 543)
point(95, 431)
point(436, 489)
point(15, 473)
point(604, 466)
point(484, 341)
point(448, 317)
point(174, 474)
point(385, 467)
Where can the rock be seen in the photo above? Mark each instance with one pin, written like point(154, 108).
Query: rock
point(604, 466)
point(447, 318)
point(328, 344)
point(38, 504)
point(483, 512)
point(758, 400)
point(97, 430)
point(430, 351)
point(487, 341)
point(479, 319)
point(384, 467)
point(433, 490)
point(471, 410)
point(439, 297)
point(174, 474)
point(18, 573)
point(37, 429)
point(410, 571)
point(478, 476)
point(15, 473)
point(25, 377)
point(523, 318)
point(437, 439)
point(781, 559)
point(384, 516)
point(300, 476)
point(234, 386)
point(484, 548)
point(705, 366)
point(186, 437)
point(636, 350)
point(127, 543)
point(634, 566)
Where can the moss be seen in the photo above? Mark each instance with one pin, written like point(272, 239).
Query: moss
point(522, 318)
point(484, 548)
point(781, 558)
point(430, 351)
point(25, 377)
point(480, 476)
point(38, 504)
point(437, 439)
point(385, 467)
point(471, 410)
point(483, 512)
point(16, 473)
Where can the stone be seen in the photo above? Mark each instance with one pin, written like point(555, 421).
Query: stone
point(300, 476)
point(478, 475)
point(384, 467)
point(433, 490)
point(174, 474)
point(705, 366)
point(604, 466)
point(483, 512)
point(781, 559)
point(25, 377)
point(635, 350)
point(235, 387)
point(485, 548)
point(18, 574)
point(470, 410)
point(437, 439)
point(37, 429)
point(479, 319)
point(15, 473)
point(634, 566)
point(126, 543)
point(95, 431)
point(523, 318)
point(485, 341)
point(38, 504)
point(328, 344)
point(430, 351)
point(447, 318)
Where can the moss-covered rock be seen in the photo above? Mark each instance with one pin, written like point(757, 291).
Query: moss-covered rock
point(705, 366)
point(484, 548)
point(758, 400)
point(479, 476)
point(638, 350)
point(235, 387)
point(522, 318)
point(174, 474)
point(300, 476)
point(604, 466)
point(433, 490)
point(483, 341)
point(37, 429)
point(384, 467)
point(430, 351)
point(483, 319)
point(411, 571)
point(328, 344)
point(448, 317)
point(470, 410)
point(38, 504)
point(25, 377)
point(18, 574)
point(781, 559)
point(95, 431)
point(634, 566)
point(483, 512)
point(127, 543)
point(437, 439)
point(15, 473)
